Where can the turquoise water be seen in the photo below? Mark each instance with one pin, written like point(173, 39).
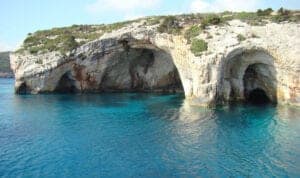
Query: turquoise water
point(143, 135)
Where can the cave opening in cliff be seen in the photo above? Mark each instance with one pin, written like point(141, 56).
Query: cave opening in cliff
point(125, 70)
point(257, 83)
point(23, 89)
point(250, 77)
point(142, 70)
point(66, 84)
point(257, 97)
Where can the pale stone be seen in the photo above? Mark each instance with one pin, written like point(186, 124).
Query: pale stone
point(219, 75)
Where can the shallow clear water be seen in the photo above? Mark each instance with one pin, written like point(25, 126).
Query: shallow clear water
point(143, 135)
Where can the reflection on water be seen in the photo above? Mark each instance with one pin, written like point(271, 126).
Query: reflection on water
point(143, 135)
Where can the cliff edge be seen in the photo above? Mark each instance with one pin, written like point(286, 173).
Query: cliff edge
point(212, 58)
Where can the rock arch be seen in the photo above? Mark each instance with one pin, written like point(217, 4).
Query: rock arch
point(129, 65)
point(141, 69)
point(247, 74)
point(66, 84)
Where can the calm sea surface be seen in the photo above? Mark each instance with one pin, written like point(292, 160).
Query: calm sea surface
point(143, 135)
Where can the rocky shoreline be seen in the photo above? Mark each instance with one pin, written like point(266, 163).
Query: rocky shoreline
point(232, 61)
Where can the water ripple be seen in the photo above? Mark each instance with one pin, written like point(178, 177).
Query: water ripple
point(143, 135)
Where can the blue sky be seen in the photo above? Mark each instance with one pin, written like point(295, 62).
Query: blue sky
point(19, 17)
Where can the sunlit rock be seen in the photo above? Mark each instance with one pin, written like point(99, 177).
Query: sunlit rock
point(138, 58)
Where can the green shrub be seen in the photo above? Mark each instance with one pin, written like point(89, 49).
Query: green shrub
point(169, 25)
point(34, 50)
point(241, 37)
point(279, 18)
point(284, 15)
point(192, 32)
point(64, 39)
point(32, 40)
point(211, 20)
point(245, 16)
point(153, 21)
point(198, 46)
point(70, 43)
point(283, 12)
point(265, 12)
point(116, 26)
point(252, 18)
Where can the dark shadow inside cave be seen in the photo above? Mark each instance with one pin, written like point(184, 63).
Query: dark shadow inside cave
point(257, 86)
point(66, 84)
point(258, 97)
point(248, 76)
point(22, 89)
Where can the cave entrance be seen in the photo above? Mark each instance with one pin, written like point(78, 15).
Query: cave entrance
point(66, 84)
point(257, 97)
point(258, 88)
point(127, 69)
point(22, 89)
point(141, 70)
point(248, 76)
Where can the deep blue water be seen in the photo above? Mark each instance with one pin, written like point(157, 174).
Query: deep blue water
point(143, 135)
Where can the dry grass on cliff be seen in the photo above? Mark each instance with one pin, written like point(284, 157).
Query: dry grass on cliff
point(68, 38)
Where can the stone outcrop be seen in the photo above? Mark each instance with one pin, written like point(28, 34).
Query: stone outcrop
point(138, 58)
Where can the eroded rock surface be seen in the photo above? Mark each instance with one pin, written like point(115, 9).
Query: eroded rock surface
point(138, 58)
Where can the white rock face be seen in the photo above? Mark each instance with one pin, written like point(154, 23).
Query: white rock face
point(137, 58)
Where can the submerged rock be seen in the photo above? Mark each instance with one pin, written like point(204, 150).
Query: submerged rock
point(139, 58)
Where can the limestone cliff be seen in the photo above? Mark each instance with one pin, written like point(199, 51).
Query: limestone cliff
point(240, 58)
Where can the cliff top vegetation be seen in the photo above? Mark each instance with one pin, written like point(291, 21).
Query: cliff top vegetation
point(66, 39)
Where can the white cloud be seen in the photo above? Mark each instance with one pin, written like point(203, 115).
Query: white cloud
point(127, 6)
point(222, 5)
